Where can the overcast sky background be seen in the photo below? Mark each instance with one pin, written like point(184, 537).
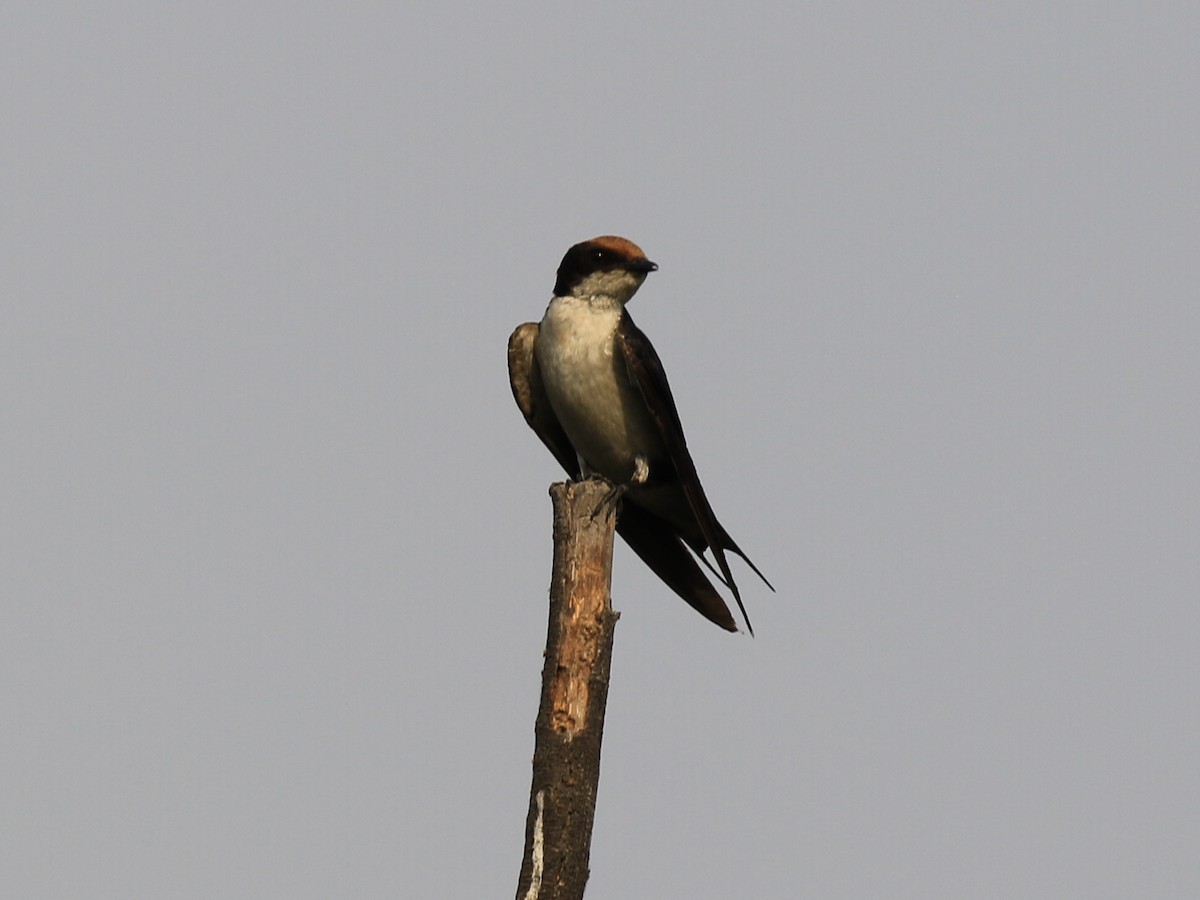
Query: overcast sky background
point(275, 541)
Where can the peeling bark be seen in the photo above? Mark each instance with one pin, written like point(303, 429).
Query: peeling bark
point(570, 720)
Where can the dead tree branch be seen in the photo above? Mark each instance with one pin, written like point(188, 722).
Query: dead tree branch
point(570, 720)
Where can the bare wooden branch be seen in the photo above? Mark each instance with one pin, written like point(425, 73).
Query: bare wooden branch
point(570, 721)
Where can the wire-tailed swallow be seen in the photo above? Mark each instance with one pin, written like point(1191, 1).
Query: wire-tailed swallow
point(593, 389)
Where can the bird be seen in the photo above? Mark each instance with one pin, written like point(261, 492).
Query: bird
point(592, 387)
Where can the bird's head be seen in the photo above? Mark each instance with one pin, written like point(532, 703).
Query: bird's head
point(604, 268)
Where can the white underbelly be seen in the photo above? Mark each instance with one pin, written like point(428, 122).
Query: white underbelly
point(588, 385)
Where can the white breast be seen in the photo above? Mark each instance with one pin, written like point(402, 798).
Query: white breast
point(600, 409)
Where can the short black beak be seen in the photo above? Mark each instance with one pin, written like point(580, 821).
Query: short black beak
point(643, 265)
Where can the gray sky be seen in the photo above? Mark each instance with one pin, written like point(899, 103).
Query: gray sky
point(275, 540)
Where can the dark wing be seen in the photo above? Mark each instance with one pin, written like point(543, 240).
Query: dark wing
point(646, 371)
point(653, 540)
point(660, 548)
point(526, 382)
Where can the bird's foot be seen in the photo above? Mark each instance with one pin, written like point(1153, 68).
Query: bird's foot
point(612, 497)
